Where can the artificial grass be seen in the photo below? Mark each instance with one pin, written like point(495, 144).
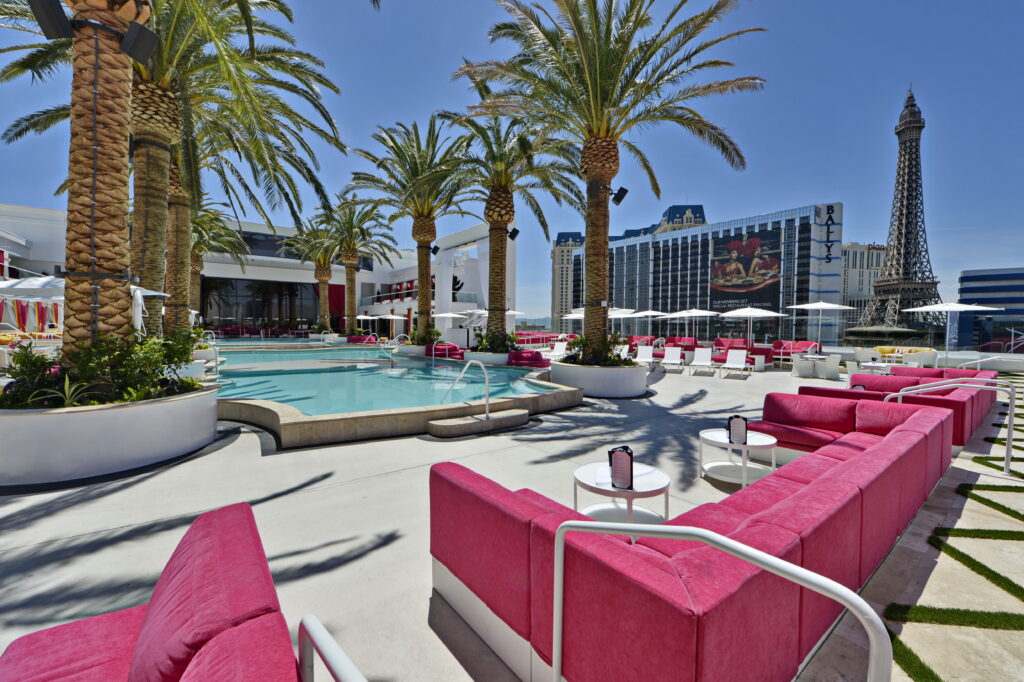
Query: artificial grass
point(980, 533)
point(970, 491)
point(997, 579)
point(1002, 441)
point(912, 665)
point(997, 462)
point(989, 620)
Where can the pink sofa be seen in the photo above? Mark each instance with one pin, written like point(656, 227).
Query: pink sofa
point(214, 615)
point(362, 339)
point(527, 358)
point(668, 609)
point(444, 350)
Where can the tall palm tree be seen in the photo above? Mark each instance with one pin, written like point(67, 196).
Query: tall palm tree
point(211, 234)
point(509, 156)
point(316, 244)
point(419, 177)
point(357, 228)
point(96, 296)
point(599, 72)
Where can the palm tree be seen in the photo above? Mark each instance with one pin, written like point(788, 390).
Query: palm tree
point(316, 244)
point(357, 228)
point(211, 234)
point(599, 72)
point(509, 157)
point(419, 177)
point(97, 297)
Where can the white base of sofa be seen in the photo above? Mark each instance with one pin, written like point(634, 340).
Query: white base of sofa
point(512, 649)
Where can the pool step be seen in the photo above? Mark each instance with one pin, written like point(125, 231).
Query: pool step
point(467, 426)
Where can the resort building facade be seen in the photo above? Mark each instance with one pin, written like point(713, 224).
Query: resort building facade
point(862, 264)
point(276, 290)
point(770, 261)
point(996, 331)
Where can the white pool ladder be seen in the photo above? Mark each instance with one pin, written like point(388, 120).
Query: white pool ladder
point(487, 386)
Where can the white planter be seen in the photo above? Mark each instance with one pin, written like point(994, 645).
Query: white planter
point(602, 382)
point(486, 358)
point(206, 355)
point(411, 350)
point(65, 444)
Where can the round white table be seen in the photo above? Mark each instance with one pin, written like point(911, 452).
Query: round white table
point(596, 477)
point(729, 470)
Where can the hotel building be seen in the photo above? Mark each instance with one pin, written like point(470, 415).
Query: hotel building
point(769, 261)
point(862, 264)
point(997, 331)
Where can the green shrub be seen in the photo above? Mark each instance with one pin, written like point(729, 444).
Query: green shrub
point(601, 354)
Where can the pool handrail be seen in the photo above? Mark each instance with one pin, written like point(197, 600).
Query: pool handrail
point(487, 386)
point(879, 644)
point(314, 637)
point(979, 361)
point(396, 341)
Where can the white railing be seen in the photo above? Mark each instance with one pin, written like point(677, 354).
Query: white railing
point(984, 384)
point(397, 341)
point(487, 386)
point(313, 637)
point(879, 645)
point(981, 360)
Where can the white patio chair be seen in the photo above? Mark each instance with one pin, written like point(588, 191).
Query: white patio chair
point(735, 361)
point(702, 360)
point(866, 355)
point(621, 351)
point(828, 368)
point(645, 355)
point(673, 358)
point(803, 368)
point(559, 351)
point(852, 367)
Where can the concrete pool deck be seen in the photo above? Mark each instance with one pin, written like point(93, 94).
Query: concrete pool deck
point(346, 527)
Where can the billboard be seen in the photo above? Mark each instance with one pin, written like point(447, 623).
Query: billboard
point(746, 271)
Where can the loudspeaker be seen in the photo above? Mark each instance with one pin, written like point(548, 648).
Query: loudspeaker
point(619, 196)
point(513, 233)
point(435, 249)
point(139, 42)
point(50, 16)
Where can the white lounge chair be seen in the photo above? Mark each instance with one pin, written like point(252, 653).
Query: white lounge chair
point(645, 355)
point(852, 367)
point(866, 355)
point(559, 351)
point(621, 351)
point(829, 368)
point(735, 361)
point(803, 368)
point(673, 358)
point(702, 360)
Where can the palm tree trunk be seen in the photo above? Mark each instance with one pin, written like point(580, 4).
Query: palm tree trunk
point(323, 277)
point(424, 231)
point(155, 126)
point(499, 212)
point(599, 164)
point(179, 266)
point(97, 229)
point(195, 285)
point(350, 294)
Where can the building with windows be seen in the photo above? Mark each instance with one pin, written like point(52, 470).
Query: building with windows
point(998, 331)
point(769, 261)
point(861, 265)
point(274, 288)
point(561, 278)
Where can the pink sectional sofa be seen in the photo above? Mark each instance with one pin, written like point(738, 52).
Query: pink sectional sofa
point(970, 406)
point(444, 350)
point(666, 609)
point(214, 615)
point(362, 339)
point(527, 358)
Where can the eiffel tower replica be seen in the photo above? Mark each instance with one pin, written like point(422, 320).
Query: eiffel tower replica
point(906, 279)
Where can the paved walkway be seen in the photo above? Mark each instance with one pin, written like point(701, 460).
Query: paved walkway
point(346, 527)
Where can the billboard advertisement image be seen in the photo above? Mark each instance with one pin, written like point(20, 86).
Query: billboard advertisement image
point(746, 271)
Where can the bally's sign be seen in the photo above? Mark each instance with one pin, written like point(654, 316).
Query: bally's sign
point(830, 217)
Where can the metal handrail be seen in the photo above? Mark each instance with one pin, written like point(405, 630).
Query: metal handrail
point(210, 336)
point(397, 340)
point(978, 362)
point(999, 385)
point(487, 386)
point(313, 636)
point(879, 645)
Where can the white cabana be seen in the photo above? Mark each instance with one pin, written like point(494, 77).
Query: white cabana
point(821, 307)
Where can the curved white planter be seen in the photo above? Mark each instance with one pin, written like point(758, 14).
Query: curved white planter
point(332, 338)
point(486, 358)
point(64, 444)
point(411, 350)
point(206, 355)
point(194, 370)
point(602, 382)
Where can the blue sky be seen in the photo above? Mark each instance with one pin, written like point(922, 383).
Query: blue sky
point(820, 131)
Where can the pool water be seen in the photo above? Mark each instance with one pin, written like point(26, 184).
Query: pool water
point(332, 386)
point(236, 358)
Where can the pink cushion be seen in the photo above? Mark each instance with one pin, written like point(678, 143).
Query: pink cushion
point(761, 495)
point(807, 469)
point(722, 357)
point(480, 531)
point(827, 516)
point(881, 418)
point(795, 437)
point(259, 649)
point(216, 578)
point(711, 516)
point(900, 371)
point(849, 446)
point(816, 413)
point(935, 424)
point(959, 404)
point(97, 649)
point(883, 382)
point(844, 393)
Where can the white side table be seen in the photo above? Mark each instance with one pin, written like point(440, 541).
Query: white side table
point(596, 477)
point(729, 470)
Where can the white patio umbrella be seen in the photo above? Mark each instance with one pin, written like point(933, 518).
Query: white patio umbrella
point(448, 316)
point(517, 313)
point(695, 312)
point(620, 314)
point(51, 286)
point(948, 308)
point(648, 314)
point(750, 314)
point(821, 307)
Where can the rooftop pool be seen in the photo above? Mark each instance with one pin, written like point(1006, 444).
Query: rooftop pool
point(339, 380)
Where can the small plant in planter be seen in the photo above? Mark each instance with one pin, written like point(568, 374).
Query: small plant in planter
point(604, 353)
point(495, 343)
